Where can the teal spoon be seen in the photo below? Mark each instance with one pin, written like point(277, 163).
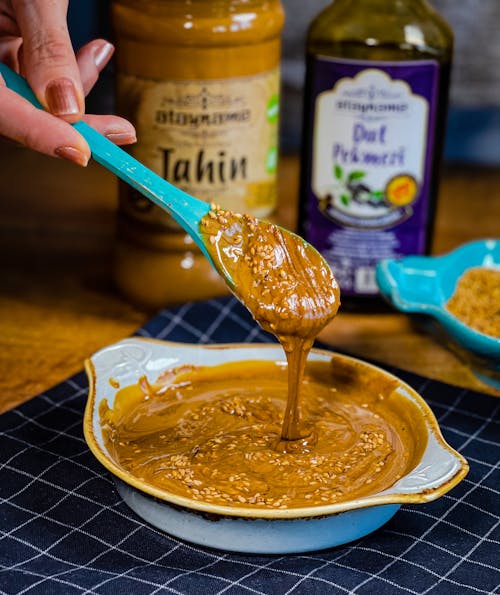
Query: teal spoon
point(185, 209)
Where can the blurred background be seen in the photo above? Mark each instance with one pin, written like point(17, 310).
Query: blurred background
point(58, 302)
point(473, 131)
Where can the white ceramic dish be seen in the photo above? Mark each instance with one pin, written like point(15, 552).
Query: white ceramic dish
point(247, 529)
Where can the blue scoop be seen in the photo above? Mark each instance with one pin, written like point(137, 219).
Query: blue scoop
point(185, 209)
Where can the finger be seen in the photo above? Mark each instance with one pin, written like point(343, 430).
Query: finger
point(91, 60)
point(39, 130)
point(116, 129)
point(48, 58)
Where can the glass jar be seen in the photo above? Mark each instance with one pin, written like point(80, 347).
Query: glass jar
point(200, 81)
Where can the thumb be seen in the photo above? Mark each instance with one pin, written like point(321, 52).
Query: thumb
point(48, 58)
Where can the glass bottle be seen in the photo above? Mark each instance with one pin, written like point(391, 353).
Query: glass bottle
point(375, 106)
point(200, 81)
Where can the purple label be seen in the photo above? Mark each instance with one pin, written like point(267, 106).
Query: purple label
point(370, 160)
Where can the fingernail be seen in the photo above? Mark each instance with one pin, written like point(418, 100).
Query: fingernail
point(103, 54)
point(61, 97)
point(72, 154)
point(121, 138)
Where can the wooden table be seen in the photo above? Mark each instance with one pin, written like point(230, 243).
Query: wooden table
point(58, 304)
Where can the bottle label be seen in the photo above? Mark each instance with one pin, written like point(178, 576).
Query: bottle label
point(215, 139)
point(371, 157)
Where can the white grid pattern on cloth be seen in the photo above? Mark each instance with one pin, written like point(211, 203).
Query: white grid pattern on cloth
point(38, 553)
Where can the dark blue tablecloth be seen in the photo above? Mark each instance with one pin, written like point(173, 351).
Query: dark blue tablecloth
point(64, 529)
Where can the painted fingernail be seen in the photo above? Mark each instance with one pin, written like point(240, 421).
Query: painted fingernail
point(121, 138)
point(103, 54)
point(61, 97)
point(72, 154)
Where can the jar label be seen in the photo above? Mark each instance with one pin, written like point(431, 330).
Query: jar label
point(215, 139)
point(370, 161)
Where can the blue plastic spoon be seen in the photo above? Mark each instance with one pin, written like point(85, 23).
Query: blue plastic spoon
point(185, 209)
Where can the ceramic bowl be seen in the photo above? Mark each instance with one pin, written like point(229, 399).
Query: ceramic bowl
point(423, 285)
point(246, 529)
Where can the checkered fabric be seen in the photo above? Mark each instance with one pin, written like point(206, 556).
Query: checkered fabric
point(64, 529)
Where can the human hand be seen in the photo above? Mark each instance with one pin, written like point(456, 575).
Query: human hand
point(34, 41)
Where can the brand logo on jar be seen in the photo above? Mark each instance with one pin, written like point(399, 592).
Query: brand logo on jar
point(195, 110)
point(197, 120)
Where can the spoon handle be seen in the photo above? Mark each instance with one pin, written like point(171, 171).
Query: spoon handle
point(185, 209)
